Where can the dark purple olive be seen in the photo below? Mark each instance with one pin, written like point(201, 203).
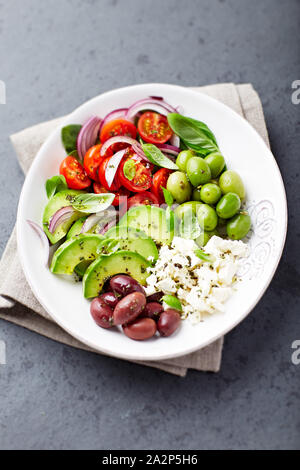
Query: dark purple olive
point(152, 310)
point(101, 313)
point(123, 285)
point(140, 329)
point(129, 308)
point(110, 298)
point(155, 297)
point(168, 322)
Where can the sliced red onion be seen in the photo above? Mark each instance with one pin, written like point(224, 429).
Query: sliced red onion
point(107, 227)
point(43, 237)
point(154, 103)
point(166, 148)
point(60, 216)
point(139, 151)
point(93, 219)
point(112, 166)
point(115, 140)
point(115, 114)
point(175, 140)
point(87, 136)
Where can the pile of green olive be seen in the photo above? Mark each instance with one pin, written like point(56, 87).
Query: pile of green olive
point(214, 195)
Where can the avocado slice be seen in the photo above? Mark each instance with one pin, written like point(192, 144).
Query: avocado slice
point(76, 228)
point(135, 241)
point(121, 262)
point(153, 221)
point(75, 251)
point(59, 200)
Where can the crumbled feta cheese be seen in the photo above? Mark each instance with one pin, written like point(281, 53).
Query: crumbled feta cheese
point(202, 287)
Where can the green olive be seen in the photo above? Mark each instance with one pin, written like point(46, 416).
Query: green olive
point(183, 209)
point(196, 193)
point(198, 171)
point(179, 186)
point(210, 193)
point(238, 226)
point(204, 237)
point(228, 205)
point(216, 163)
point(207, 217)
point(231, 182)
point(182, 159)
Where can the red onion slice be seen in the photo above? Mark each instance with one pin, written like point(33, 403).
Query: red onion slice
point(87, 136)
point(113, 165)
point(140, 152)
point(115, 140)
point(60, 217)
point(115, 114)
point(43, 237)
point(175, 140)
point(166, 148)
point(93, 219)
point(107, 227)
point(154, 103)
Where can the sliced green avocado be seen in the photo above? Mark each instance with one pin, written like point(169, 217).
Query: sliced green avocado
point(123, 231)
point(152, 220)
point(121, 262)
point(61, 199)
point(76, 228)
point(82, 267)
point(143, 245)
point(74, 251)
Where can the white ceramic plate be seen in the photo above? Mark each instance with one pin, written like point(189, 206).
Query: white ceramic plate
point(244, 151)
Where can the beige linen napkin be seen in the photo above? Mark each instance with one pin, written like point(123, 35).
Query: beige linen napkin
point(17, 302)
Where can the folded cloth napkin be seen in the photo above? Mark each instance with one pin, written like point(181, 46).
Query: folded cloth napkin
point(17, 302)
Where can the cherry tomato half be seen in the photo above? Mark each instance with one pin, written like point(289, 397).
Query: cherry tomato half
point(118, 127)
point(74, 173)
point(92, 161)
point(134, 173)
point(122, 192)
point(101, 174)
point(154, 128)
point(160, 179)
point(146, 198)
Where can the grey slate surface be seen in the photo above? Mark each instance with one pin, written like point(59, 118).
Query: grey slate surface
point(54, 55)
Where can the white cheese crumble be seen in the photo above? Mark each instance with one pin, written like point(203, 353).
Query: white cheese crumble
point(202, 287)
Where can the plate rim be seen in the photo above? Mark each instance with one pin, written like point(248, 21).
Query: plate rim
point(188, 350)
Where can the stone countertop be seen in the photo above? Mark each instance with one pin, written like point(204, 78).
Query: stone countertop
point(54, 56)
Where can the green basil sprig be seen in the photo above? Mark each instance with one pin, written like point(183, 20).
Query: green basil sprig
point(204, 256)
point(168, 196)
point(91, 203)
point(69, 137)
point(55, 184)
point(157, 157)
point(172, 302)
point(195, 134)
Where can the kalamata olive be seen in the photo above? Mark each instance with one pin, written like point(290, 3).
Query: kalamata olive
point(140, 329)
point(101, 313)
point(110, 298)
point(152, 310)
point(128, 308)
point(123, 285)
point(155, 297)
point(168, 322)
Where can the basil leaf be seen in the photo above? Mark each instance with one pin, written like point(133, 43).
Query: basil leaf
point(91, 203)
point(74, 154)
point(157, 157)
point(172, 301)
point(55, 184)
point(202, 255)
point(189, 227)
point(168, 196)
point(69, 137)
point(195, 134)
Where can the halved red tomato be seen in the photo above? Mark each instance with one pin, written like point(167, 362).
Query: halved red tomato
point(134, 173)
point(146, 198)
point(118, 127)
point(101, 174)
point(74, 173)
point(154, 128)
point(122, 193)
point(160, 179)
point(92, 161)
